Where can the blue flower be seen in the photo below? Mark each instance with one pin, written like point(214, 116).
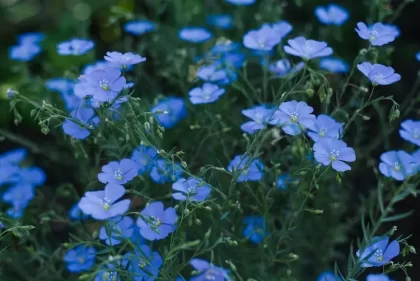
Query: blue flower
point(192, 189)
point(411, 131)
point(418, 56)
point(282, 28)
point(331, 151)
point(31, 38)
point(332, 14)
point(208, 93)
point(416, 160)
point(325, 127)
point(328, 276)
point(156, 223)
point(61, 85)
point(172, 110)
point(294, 117)
point(283, 180)
point(224, 47)
point(255, 229)
point(123, 61)
point(263, 39)
point(250, 170)
point(283, 67)
point(102, 205)
point(216, 73)
point(260, 116)
point(378, 277)
point(143, 156)
point(102, 64)
point(18, 196)
point(87, 117)
point(34, 176)
point(24, 52)
point(379, 253)
point(8, 172)
point(233, 59)
point(1, 225)
point(13, 157)
point(377, 34)
point(379, 74)
point(107, 273)
point(208, 271)
point(76, 213)
point(222, 21)
point(241, 2)
point(334, 65)
point(144, 264)
point(118, 172)
point(165, 172)
point(139, 27)
point(307, 49)
point(195, 34)
point(397, 164)
point(80, 258)
point(75, 47)
point(116, 230)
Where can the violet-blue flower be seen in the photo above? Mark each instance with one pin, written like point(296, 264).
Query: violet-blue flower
point(378, 34)
point(143, 264)
point(416, 160)
point(250, 170)
point(410, 131)
point(332, 14)
point(283, 181)
point(334, 65)
point(378, 277)
point(241, 2)
point(263, 39)
point(75, 47)
point(76, 213)
point(31, 38)
point(102, 205)
point(325, 127)
point(18, 196)
point(24, 52)
point(379, 74)
point(116, 229)
point(216, 73)
point(101, 64)
point(195, 34)
point(255, 229)
point(282, 28)
point(107, 273)
point(208, 93)
point(118, 172)
point(307, 49)
point(222, 21)
point(8, 172)
point(139, 27)
point(294, 117)
point(163, 171)
point(155, 222)
point(34, 176)
point(60, 84)
point(418, 56)
point(208, 271)
point(80, 258)
point(13, 157)
point(172, 110)
point(379, 252)
point(260, 116)
point(329, 151)
point(397, 164)
point(283, 67)
point(87, 117)
point(120, 60)
point(328, 276)
point(192, 189)
point(143, 156)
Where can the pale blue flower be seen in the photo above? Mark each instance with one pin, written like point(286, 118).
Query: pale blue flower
point(307, 49)
point(139, 27)
point(329, 151)
point(397, 164)
point(208, 93)
point(334, 65)
point(332, 14)
point(195, 34)
point(378, 34)
point(379, 74)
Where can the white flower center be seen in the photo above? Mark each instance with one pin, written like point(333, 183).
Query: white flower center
point(258, 118)
point(104, 85)
point(373, 35)
point(294, 116)
point(416, 134)
point(396, 167)
point(142, 264)
point(322, 132)
point(379, 254)
point(334, 155)
point(118, 174)
point(210, 275)
point(105, 203)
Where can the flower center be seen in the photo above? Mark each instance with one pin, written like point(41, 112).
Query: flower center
point(322, 132)
point(191, 190)
point(379, 254)
point(376, 76)
point(416, 134)
point(156, 222)
point(334, 155)
point(109, 276)
point(294, 117)
point(104, 85)
point(105, 203)
point(118, 174)
point(397, 167)
point(245, 172)
point(261, 43)
point(258, 118)
point(81, 259)
point(373, 35)
point(142, 264)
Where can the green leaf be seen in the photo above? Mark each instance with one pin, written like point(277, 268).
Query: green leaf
point(397, 217)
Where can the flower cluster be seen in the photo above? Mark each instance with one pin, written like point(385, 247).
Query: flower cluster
point(28, 47)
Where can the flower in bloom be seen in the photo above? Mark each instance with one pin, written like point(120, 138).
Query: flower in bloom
point(31, 38)
point(139, 27)
point(117, 229)
point(172, 110)
point(378, 277)
point(410, 131)
point(18, 196)
point(282, 28)
point(61, 85)
point(293, 116)
point(13, 157)
point(332, 14)
point(143, 156)
point(416, 159)
point(216, 73)
point(325, 127)
point(107, 273)
point(165, 172)
point(75, 47)
point(118, 173)
point(283, 180)
point(101, 64)
point(379, 74)
point(195, 34)
point(76, 213)
point(255, 229)
point(241, 2)
point(307, 49)
point(379, 253)
point(208, 271)
point(102, 205)
point(34, 176)
point(260, 116)
point(332, 151)
point(208, 93)
point(102, 84)
point(377, 34)
point(334, 65)
point(283, 67)
point(263, 39)
point(123, 60)
point(396, 164)
point(250, 170)
point(328, 276)
point(192, 189)
point(155, 222)
point(222, 21)
point(80, 258)
point(144, 264)
point(418, 56)
point(24, 52)
point(87, 117)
